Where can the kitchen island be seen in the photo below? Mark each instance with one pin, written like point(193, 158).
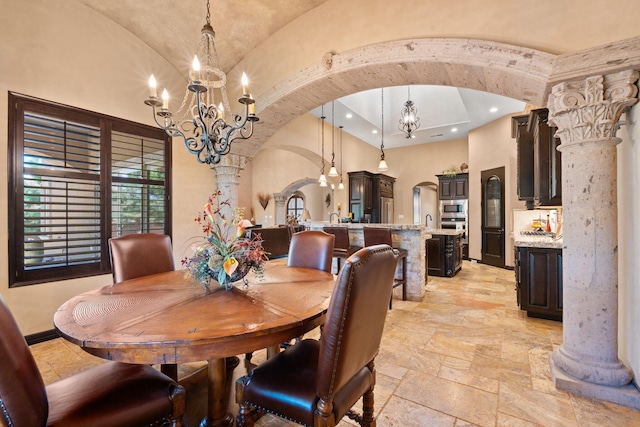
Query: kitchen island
point(405, 236)
point(444, 252)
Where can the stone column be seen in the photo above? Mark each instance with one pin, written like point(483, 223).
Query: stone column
point(228, 176)
point(587, 114)
point(281, 209)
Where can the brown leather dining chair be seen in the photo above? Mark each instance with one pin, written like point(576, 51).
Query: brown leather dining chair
point(382, 236)
point(342, 249)
point(110, 394)
point(137, 255)
point(317, 382)
point(308, 249)
point(311, 249)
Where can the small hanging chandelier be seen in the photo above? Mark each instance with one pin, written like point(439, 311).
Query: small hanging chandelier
point(323, 179)
point(382, 166)
point(409, 121)
point(198, 120)
point(333, 171)
point(341, 185)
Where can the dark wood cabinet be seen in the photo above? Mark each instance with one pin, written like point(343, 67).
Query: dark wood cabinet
point(444, 255)
point(539, 281)
point(547, 160)
point(524, 171)
point(539, 173)
point(453, 187)
point(365, 192)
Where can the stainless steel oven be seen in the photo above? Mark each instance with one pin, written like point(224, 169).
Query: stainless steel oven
point(454, 215)
point(454, 208)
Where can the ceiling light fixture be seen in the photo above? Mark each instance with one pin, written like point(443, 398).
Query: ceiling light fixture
point(198, 120)
point(333, 171)
point(382, 166)
point(341, 185)
point(323, 179)
point(409, 120)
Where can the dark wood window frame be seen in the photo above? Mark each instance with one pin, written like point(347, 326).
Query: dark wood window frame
point(84, 175)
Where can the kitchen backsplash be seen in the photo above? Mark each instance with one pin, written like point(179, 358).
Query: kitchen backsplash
point(528, 221)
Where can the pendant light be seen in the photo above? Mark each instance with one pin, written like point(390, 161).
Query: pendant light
point(382, 166)
point(341, 185)
point(323, 179)
point(333, 171)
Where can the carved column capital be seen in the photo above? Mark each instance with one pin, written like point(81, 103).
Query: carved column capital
point(590, 109)
point(228, 170)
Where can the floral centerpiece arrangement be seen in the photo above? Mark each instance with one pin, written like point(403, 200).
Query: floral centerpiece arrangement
point(227, 255)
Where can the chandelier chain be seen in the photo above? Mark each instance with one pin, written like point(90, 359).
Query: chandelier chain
point(382, 127)
point(333, 153)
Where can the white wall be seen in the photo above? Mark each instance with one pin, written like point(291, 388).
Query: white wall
point(491, 146)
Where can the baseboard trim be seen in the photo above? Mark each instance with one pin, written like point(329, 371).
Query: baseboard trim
point(41, 337)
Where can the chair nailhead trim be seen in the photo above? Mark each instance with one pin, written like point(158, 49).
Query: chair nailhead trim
point(275, 413)
point(5, 413)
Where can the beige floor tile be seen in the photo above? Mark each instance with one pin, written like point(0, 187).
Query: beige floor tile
point(457, 400)
point(543, 408)
point(404, 413)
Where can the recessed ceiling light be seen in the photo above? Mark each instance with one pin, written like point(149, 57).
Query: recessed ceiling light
point(493, 109)
point(348, 115)
point(454, 129)
point(413, 136)
point(374, 131)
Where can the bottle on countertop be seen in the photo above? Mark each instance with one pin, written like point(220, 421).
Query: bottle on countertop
point(548, 227)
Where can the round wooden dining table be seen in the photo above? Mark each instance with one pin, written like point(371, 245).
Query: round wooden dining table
point(167, 318)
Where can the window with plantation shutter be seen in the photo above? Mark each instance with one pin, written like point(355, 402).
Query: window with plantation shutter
point(77, 179)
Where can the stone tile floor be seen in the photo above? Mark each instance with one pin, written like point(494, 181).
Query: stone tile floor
point(465, 356)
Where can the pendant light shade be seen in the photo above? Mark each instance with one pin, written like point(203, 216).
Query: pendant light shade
point(382, 166)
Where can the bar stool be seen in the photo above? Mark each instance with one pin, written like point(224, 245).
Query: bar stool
point(377, 236)
point(342, 248)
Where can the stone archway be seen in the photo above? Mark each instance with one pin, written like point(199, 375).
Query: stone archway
point(517, 72)
point(281, 197)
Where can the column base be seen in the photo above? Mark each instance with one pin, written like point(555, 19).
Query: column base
point(627, 395)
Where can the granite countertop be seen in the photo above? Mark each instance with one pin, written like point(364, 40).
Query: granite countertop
point(538, 242)
point(444, 231)
point(359, 226)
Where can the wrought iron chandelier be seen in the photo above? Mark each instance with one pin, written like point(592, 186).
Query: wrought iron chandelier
point(199, 121)
point(409, 121)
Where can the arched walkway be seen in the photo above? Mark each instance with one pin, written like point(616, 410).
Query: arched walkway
point(281, 197)
point(513, 71)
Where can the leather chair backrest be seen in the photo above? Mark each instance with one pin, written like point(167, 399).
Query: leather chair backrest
point(355, 318)
point(377, 236)
point(24, 399)
point(311, 249)
point(136, 255)
point(342, 236)
point(275, 240)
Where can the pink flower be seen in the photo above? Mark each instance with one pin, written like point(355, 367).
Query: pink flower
point(208, 209)
point(230, 266)
point(242, 225)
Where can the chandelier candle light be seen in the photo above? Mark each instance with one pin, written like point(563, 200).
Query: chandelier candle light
point(199, 121)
